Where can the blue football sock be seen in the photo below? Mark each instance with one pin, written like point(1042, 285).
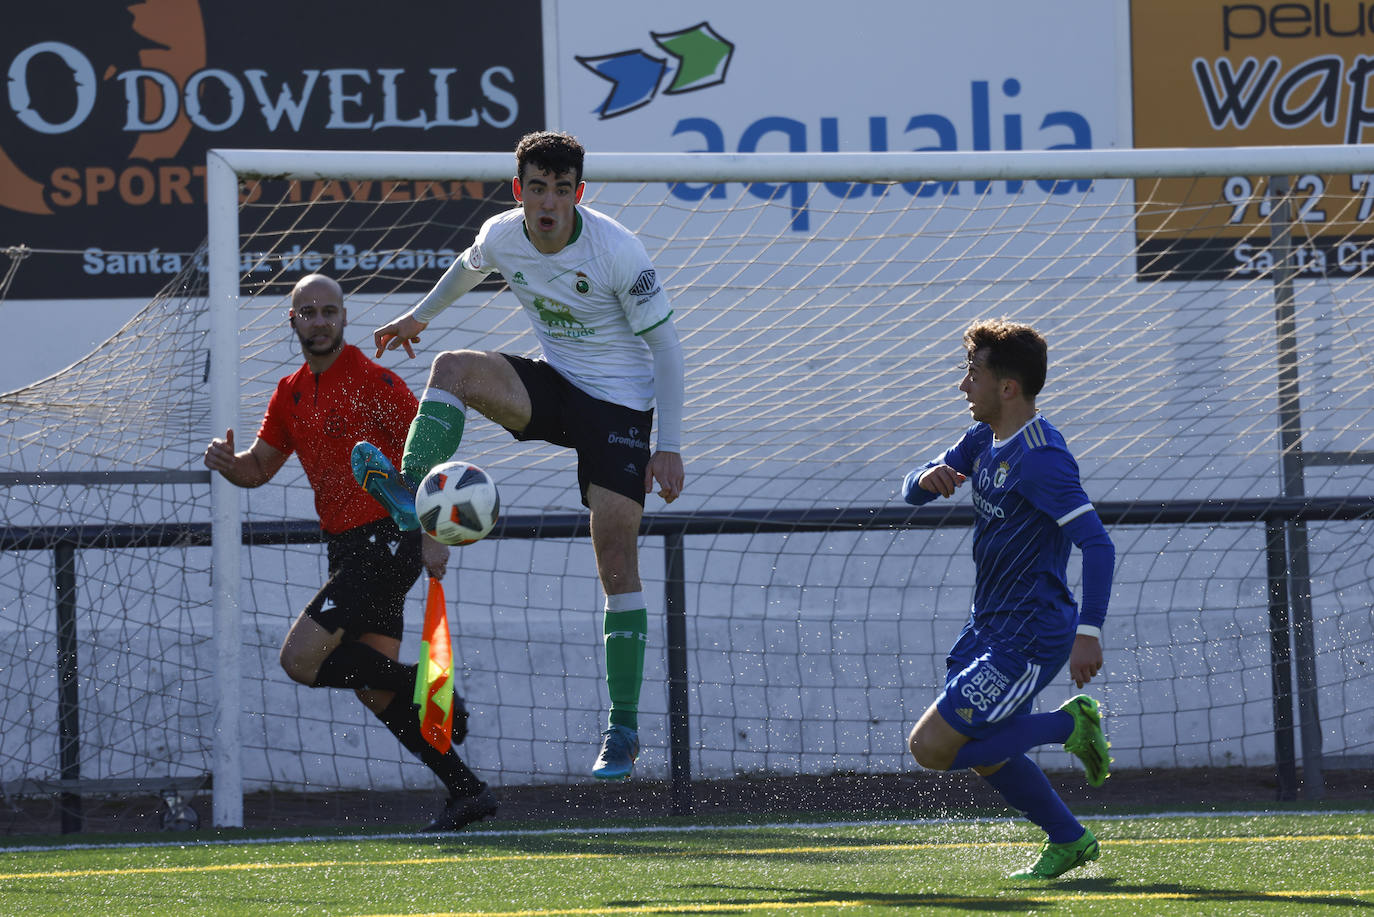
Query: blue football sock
point(1026, 788)
point(1017, 736)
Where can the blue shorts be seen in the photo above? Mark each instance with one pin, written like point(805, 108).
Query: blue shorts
point(986, 684)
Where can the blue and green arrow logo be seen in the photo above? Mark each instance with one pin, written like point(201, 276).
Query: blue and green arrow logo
point(700, 54)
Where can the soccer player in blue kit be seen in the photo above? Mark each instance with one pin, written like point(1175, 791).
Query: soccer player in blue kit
point(1024, 625)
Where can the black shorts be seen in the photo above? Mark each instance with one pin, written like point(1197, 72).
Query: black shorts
point(612, 441)
point(371, 568)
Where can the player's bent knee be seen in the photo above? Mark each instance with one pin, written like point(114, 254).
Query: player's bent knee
point(452, 368)
point(929, 758)
point(296, 668)
point(933, 756)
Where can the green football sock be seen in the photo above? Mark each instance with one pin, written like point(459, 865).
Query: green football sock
point(627, 634)
point(434, 436)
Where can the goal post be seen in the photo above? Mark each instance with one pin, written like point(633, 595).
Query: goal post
point(222, 247)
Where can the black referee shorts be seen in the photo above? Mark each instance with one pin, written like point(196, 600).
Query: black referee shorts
point(371, 568)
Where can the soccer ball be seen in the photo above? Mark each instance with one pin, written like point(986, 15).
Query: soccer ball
point(457, 503)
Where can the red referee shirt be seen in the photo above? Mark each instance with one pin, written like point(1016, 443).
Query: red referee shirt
point(321, 417)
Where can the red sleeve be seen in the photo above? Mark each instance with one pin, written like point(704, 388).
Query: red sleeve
point(274, 430)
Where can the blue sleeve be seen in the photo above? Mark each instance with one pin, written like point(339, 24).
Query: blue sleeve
point(1051, 483)
point(1099, 558)
point(1054, 488)
point(959, 457)
point(914, 493)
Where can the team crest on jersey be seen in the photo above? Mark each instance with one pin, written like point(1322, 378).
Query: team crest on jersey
point(1000, 476)
point(583, 285)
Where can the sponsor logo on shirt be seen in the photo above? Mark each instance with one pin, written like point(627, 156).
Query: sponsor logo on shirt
point(560, 320)
point(964, 713)
point(986, 508)
point(519, 279)
point(646, 284)
point(985, 482)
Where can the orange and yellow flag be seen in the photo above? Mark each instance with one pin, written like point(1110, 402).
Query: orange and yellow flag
point(434, 678)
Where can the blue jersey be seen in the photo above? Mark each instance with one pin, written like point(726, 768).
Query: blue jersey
point(1030, 507)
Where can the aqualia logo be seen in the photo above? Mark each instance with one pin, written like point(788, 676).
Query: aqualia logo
point(699, 57)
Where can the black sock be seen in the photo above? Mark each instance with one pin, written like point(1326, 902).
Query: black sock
point(402, 719)
point(357, 665)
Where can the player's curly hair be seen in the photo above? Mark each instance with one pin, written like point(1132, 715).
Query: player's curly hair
point(1015, 351)
point(551, 151)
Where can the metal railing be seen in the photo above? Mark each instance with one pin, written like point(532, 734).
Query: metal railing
point(1290, 608)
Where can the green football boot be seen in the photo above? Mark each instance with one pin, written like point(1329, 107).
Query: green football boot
point(1087, 740)
point(1057, 859)
point(375, 473)
point(619, 749)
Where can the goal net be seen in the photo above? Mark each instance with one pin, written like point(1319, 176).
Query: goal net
point(1208, 330)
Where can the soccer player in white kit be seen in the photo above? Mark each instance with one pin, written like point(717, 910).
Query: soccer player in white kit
point(611, 362)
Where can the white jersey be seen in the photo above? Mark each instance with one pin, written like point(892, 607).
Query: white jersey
point(588, 303)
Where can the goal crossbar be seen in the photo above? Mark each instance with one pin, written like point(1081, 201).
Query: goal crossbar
point(1013, 165)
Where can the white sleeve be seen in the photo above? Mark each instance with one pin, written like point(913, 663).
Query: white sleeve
point(669, 388)
point(457, 280)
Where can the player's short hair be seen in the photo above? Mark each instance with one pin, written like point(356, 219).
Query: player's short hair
point(552, 151)
point(1015, 351)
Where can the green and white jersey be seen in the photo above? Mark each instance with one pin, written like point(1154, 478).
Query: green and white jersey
point(588, 303)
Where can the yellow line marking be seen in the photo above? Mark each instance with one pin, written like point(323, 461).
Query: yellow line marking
point(755, 851)
point(1029, 900)
point(305, 864)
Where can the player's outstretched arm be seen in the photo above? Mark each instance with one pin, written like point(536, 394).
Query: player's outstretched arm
point(252, 468)
point(665, 468)
point(403, 332)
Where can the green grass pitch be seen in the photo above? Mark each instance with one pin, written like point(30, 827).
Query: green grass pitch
point(1284, 863)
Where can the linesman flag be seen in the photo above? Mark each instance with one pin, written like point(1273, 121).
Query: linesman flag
point(434, 673)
